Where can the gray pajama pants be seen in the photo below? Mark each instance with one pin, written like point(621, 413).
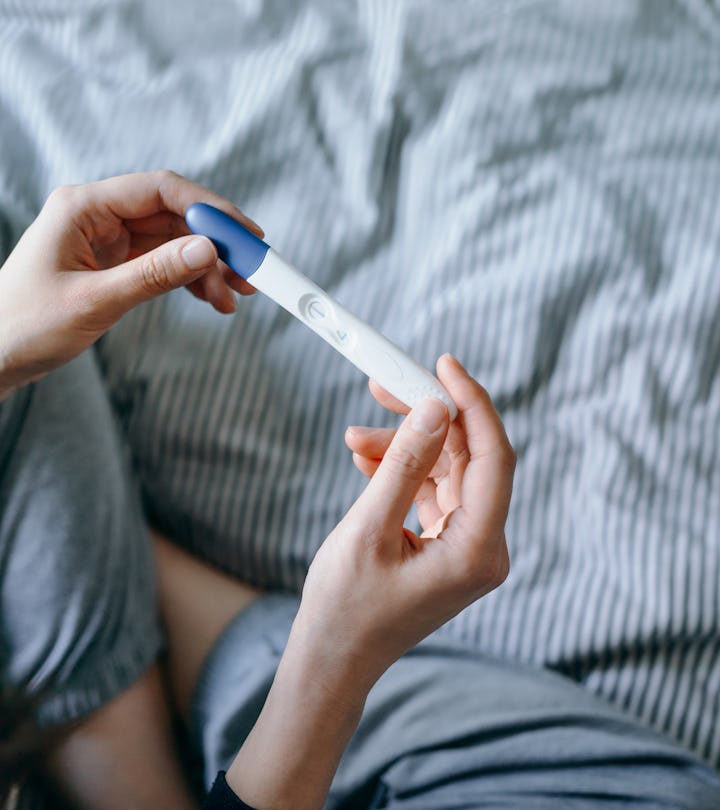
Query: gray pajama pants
point(444, 728)
point(78, 621)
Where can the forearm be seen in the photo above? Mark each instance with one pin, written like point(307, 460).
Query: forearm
point(15, 326)
point(8, 382)
point(290, 757)
point(13, 375)
point(19, 364)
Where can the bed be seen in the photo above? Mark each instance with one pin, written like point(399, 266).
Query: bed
point(531, 185)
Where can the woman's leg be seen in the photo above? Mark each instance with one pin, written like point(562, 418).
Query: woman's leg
point(122, 755)
point(196, 603)
point(79, 634)
point(445, 729)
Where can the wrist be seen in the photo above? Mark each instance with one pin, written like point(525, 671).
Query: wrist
point(331, 659)
point(313, 708)
point(8, 376)
point(12, 374)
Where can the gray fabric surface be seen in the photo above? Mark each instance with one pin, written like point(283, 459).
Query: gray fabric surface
point(532, 185)
point(448, 729)
point(78, 618)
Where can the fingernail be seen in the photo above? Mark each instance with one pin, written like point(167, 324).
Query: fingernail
point(428, 416)
point(199, 253)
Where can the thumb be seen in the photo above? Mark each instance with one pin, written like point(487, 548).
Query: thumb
point(406, 464)
point(171, 265)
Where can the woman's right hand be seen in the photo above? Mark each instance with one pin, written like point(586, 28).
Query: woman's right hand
point(375, 588)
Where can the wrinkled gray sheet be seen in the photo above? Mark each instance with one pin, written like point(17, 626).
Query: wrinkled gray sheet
point(531, 185)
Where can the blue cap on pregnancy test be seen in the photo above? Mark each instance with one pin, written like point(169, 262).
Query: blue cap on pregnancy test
point(238, 247)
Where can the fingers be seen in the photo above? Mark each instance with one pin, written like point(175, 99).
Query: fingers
point(483, 427)
point(149, 232)
point(196, 288)
point(216, 292)
point(426, 500)
point(458, 456)
point(429, 512)
point(370, 444)
point(487, 481)
point(163, 223)
point(406, 464)
point(386, 399)
point(172, 265)
point(367, 466)
point(238, 283)
point(150, 207)
point(143, 195)
point(476, 436)
point(141, 242)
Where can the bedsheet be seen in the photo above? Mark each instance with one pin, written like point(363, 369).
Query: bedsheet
point(532, 185)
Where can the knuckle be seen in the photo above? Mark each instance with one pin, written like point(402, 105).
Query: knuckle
point(61, 195)
point(405, 462)
point(461, 456)
point(166, 177)
point(486, 570)
point(156, 273)
point(166, 174)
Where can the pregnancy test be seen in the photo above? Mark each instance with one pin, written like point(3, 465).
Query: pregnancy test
point(248, 256)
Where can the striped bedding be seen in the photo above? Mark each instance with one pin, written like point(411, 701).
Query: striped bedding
point(532, 185)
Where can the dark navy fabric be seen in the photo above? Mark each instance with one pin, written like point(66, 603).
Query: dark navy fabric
point(221, 797)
